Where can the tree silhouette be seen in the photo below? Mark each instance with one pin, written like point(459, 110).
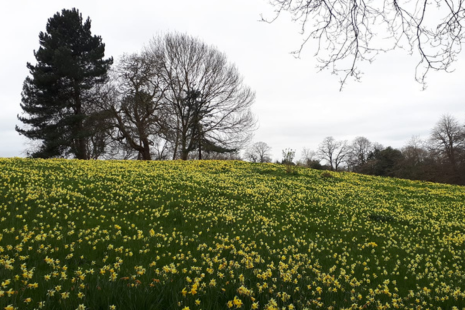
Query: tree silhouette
point(57, 98)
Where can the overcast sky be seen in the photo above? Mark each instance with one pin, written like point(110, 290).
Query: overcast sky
point(296, 106)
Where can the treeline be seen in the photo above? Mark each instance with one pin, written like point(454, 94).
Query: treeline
point(178, 98)
point(440, 158)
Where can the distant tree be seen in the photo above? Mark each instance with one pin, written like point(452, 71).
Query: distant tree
point(310, 159)
point(334, 152)
point(288, 160)
point(448, 140)
point(57, 98)
point(259, 152)
point(415, 151)
point(416, 163)
point(208, 101)
point(384, 162)
point(347, 32)
point(288, 156)
point(369, 166)
point(359, 151)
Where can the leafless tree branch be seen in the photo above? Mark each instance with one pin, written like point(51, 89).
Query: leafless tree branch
point(208, 103)
point(353, 31)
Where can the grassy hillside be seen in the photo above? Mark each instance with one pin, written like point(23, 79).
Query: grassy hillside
point(219, 235)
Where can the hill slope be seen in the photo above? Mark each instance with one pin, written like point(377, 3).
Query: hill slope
point(220, 234)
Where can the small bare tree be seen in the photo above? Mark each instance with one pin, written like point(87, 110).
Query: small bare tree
point(259, 152)
point(309, 158)
point(288, 160)
point(308, 155)
point(348, 32)
point(209, 105)
point(415, 151)
point(334, 152)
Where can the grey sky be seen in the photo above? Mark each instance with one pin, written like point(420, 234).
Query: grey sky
point(296, 106)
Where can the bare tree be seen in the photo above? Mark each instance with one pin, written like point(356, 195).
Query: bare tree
point(417, 163)
point(288, 156)
point(358, 154)
point(334, 152)
point(134, 103)
point(415, 151)
point(308, 155)
point(98, 139)
point(309, 158)
point(209, 106)
point(348, 32)
point(259, 152)
point(448, 139)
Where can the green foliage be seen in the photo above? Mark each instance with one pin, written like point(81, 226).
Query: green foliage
point(385, 161)
point(57, 96)
point(314, 164)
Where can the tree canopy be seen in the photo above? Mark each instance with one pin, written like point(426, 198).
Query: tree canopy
point(208, 102)
point(178, 98)
point(57, 98)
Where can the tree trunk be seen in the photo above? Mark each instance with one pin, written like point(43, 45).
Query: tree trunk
point(184, 147)
point(176, 145)
point(146, 150)
point(146, 154)
point(81, 152)
point(200, 148)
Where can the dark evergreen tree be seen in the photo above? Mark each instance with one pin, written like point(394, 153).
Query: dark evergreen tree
point(385, 162)
point(58, 95)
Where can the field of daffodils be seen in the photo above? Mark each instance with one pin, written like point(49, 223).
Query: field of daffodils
point(200, 235)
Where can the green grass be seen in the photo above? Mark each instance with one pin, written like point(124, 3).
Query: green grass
point(222, 234)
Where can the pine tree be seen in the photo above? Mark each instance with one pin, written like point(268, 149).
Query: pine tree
point(58, 95)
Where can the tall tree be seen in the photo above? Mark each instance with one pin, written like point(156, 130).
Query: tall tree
point(58, 95)
point(209, 103)
point(133, 102)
